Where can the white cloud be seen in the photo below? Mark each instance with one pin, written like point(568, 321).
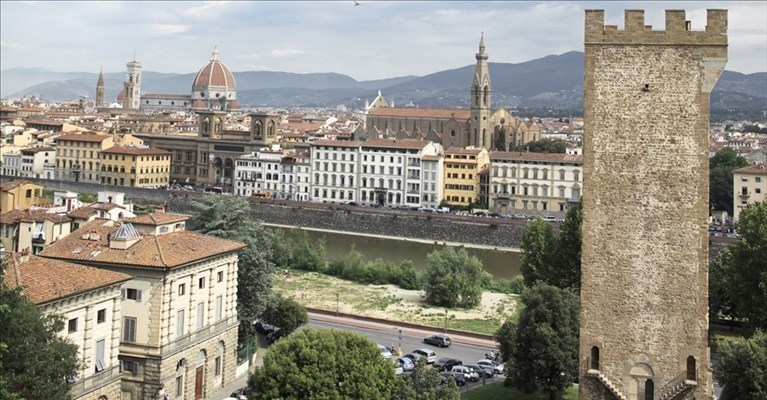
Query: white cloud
point(168, 29)
point(248, 56)
point(207, 9)
point(285, 52)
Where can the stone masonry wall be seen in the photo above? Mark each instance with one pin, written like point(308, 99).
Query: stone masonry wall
point(644, 297)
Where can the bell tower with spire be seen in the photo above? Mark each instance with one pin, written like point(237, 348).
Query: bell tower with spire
point(100, 90)
point(132, 99)
point(480, 132)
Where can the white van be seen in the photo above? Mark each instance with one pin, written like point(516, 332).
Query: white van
point(549, 218)
point(430, 355)
point(467, 372)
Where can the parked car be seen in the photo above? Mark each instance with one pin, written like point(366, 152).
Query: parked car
point(276, 335)
point(414, 357)
point(487, 372)
point(438, 340)
point(549, 218)
point(446, 364)
point(385, 352)
point(406, 363)
point(469, 373)
point(264, 327)
point(241, 393)
point(498, 368)
point(520, 216)
point(398, 368)
point(430, 355)
point(447, 376)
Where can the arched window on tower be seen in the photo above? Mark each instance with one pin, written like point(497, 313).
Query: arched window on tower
point(594, 358)
point(485, 95)
point(476, 95)
point(218, 126)
point(205, 125)
point(257, 129)
point(691, 368)
point(270, 129)
point(649, 390)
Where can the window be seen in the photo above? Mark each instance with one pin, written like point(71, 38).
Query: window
point(180, 323)
point(179, 386)
point(98, 359)
point(200, 315)
point(201, 283)
point(132, 294)
point(131, 366)
point(129, 329)
point(220, 276)
point(72, 325)
point(217, 366)
point(181, 289)
point(219, 307)
point(101, 316)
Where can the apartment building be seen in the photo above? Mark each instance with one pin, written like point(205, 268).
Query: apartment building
point(258, 174)
point(11, 163)
point(534, 183)
point(135, 166)
point(88, 299)
point(32, 230)
point(432, 173)
point(749, 187)
point(35, 159)
point(335, 170)
point(391, 171)
point(19, 195)
point(462, 166)
point(303, 170)
point(179, 320)
point(78, 156)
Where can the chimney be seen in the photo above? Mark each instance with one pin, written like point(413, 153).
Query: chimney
point(24, 255)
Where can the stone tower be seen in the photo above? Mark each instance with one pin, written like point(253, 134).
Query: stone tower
point(480, 127)
point(644, 293)
point(263, 128)
point(100, 90)
point(132, 99)
point(211, 123)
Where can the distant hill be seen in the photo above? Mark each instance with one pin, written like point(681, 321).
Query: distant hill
point(550, 84)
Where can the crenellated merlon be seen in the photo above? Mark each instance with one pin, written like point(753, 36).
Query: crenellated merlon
point(678, 30)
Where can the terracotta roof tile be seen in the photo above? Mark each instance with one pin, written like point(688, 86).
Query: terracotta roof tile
point(33, 150)
point(84, 212)
point(91, 243)
point(396, 143)
point(461, 150)
point(421, 112)
point(13, 184)
point(136, 151)
point(546, 157)
point(43, 280)
point(15, 216)
point(758, 169)
point(157, 218)
point(337, 143)
point(78, 137)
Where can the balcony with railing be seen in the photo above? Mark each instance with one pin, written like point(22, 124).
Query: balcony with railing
point(146, 350)
point(85, 385)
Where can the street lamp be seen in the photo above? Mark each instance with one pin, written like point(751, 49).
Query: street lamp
point(446, 320)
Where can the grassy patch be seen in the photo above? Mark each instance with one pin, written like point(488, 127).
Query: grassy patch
point(496, 391)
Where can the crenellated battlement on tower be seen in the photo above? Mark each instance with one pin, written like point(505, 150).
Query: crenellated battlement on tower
point(678, 30)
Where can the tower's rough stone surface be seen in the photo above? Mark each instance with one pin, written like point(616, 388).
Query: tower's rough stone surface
point(644, 296)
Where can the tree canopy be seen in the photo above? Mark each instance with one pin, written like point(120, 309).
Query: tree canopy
point(424, 383)
point(453, 278)
point(324, 364)
point(551, 259)
point(738, 278)
point(541, 350)
point(543, 145)
point(721, 166)
point(230, 217)
point(34, 360)
point(743, 365)
point(285, 313)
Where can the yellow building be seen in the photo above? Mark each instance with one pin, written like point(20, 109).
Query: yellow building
point(462, 166)
point(136, 166)
point(19, 195)
point(78, 156)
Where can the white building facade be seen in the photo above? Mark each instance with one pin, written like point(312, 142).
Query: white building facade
point(258, 174)
point(335, 170)
point(534, 183)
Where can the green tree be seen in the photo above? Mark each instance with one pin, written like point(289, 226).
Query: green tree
point(543, 145)
point(743, 366)
point(568, 274)
point(739, 275)
point(539, 249)
point(230, 217)
point(34, 360)
point(424, 383)
point(541, 351)
point(453, 278)
point(721, 166)
point(285, 313)
point(324, 364)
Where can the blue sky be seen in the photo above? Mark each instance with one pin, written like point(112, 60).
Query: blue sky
point(378, 39)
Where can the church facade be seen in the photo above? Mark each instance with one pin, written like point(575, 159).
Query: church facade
point(479, 126)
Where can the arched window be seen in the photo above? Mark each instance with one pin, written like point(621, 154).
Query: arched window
point(485, 95)
point(594, 358)
point(691, 369)
point(257, 128)
point(206, 125)
point(270, 129)
point(649, 390)
point(476, 94)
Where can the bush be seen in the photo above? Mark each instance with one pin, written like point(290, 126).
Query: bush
point(515, 285)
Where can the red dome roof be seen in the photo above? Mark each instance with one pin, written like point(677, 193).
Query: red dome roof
point(215, 73)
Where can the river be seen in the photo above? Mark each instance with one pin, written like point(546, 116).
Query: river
point(501, 263)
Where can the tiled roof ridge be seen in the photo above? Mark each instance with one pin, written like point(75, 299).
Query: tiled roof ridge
point(159, 251)
point(16, 271)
